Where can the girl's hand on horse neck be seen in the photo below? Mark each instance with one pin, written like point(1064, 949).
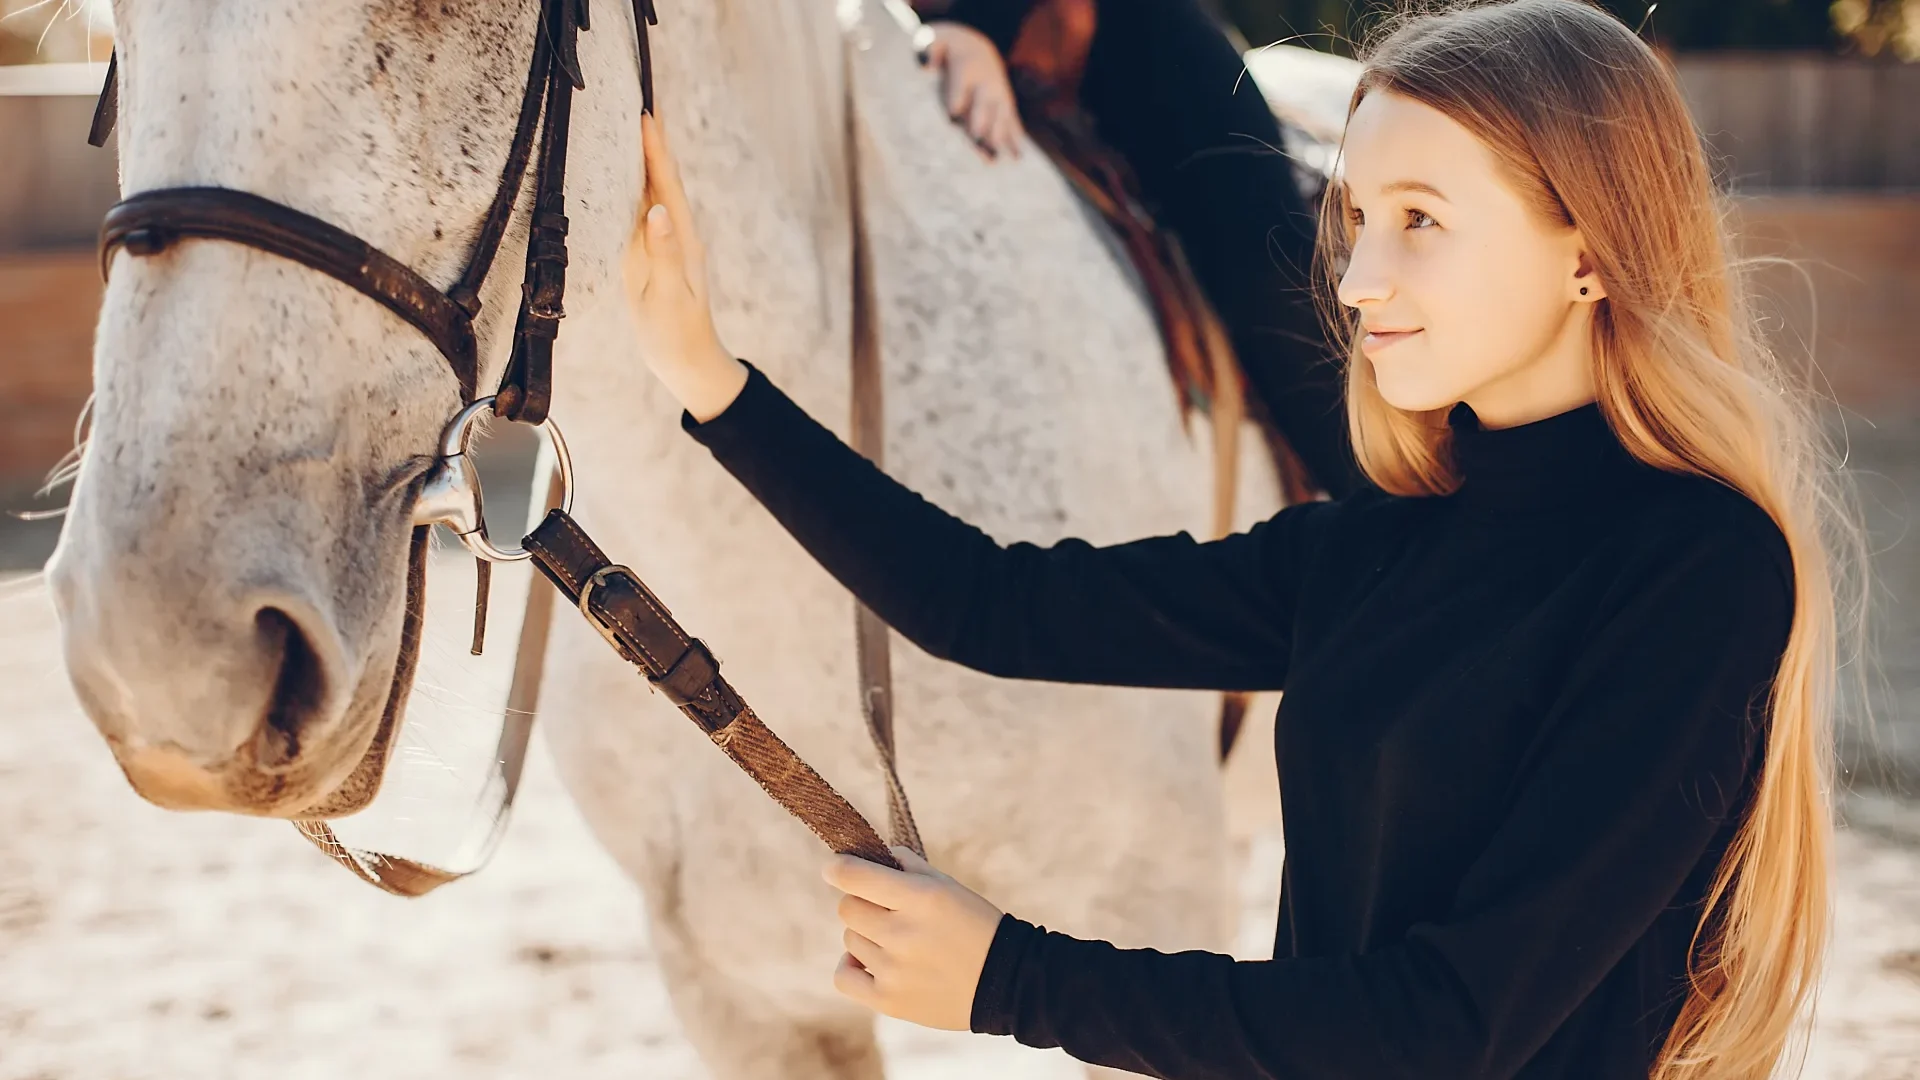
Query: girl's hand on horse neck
point(916, 940)
point(666, 278)
point(979, 95)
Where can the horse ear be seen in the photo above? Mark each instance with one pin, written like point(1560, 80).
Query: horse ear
point(107, 111)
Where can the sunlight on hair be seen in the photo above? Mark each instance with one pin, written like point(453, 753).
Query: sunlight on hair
point(1645, 19)
point(64, 472)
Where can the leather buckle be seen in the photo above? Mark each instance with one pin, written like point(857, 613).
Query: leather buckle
point(586, 595)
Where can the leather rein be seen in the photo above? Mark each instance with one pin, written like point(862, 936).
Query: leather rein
point(611, 597)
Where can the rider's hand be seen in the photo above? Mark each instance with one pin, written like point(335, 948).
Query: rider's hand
point(979, 97)
point(666, 276)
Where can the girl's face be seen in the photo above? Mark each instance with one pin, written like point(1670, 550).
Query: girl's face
point(1465, 293)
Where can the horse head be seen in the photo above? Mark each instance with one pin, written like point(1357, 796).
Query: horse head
point(231, 577)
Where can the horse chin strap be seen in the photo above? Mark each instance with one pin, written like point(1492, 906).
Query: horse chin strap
point(611, 597)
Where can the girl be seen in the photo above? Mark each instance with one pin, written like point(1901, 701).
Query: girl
point(1554, 747)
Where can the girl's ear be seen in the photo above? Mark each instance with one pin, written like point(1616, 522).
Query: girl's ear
point(1586, 284)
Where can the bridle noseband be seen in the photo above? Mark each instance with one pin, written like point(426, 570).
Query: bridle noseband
point(150, 222)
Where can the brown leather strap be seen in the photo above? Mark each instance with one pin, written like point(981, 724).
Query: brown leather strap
point(872, 641)
point(410, 877)
point(493, 228)
point(391, 874)
point(149, 223)
point(645, 634)
point(106, 111)
point(526, 390)
point(644, 17)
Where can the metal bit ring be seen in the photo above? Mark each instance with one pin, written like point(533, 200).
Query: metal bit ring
point(451, 494)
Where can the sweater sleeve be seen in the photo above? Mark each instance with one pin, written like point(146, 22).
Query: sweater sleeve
point(1163, 612)
point(999, 20)
point(1643, 759)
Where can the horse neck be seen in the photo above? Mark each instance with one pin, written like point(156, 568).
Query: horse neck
point(753, 96)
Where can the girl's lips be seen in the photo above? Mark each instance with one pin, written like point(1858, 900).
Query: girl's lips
point(1380, 339)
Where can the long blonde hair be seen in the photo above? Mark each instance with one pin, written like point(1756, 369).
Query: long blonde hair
point(1589, 125)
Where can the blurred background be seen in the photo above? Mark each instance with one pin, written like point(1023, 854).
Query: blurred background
point(118, 925)
point(1863, 28)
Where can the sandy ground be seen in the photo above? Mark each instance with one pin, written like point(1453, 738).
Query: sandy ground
point(139, 944)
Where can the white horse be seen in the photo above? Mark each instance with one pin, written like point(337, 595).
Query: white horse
point(230, 577)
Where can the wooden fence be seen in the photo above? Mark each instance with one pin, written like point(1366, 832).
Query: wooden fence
point(53, 186)
point(1784, 121)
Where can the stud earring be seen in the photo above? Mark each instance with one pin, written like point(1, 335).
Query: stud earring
point(1583, 290)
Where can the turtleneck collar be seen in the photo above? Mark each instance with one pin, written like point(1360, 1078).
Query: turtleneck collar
point(1555, 463)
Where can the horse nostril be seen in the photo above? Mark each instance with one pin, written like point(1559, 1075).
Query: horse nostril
point(299, 687)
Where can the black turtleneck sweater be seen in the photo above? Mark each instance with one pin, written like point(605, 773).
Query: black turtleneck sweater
point(1520, 725)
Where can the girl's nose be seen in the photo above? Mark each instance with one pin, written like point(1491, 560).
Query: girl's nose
point(1366, 279)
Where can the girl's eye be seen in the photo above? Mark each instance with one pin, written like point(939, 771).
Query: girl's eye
point(1419, 219)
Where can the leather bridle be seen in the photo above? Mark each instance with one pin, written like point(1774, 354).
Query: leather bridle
point(610, 596)
point(152, 221)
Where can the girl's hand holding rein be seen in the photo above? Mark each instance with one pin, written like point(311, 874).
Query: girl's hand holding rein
point(916, 940)
point(666, 281)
